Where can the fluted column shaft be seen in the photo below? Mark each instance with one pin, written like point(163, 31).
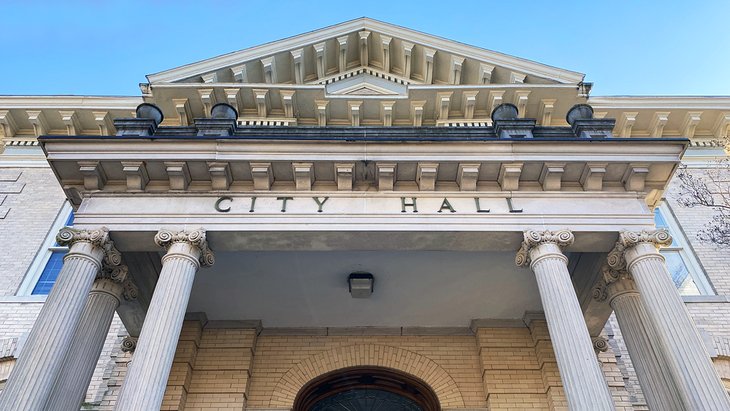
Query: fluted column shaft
point(583, 381)
point(652, 371)
point(691, 366)
point(144, 386)
point(31, 381)
point(73, 381)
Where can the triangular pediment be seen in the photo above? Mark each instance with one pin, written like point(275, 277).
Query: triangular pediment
point(366, 43)
point(361, 83)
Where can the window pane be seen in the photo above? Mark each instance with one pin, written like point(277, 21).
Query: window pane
point(660, 222)
point(48, 277)
point(680, 274)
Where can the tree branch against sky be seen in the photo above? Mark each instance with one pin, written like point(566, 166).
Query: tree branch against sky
point(709, 188)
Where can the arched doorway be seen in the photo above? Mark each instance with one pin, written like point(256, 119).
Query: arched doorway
point(366, 389)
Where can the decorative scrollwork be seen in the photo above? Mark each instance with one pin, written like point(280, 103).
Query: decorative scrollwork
point(657, 237)
point(532, 238)
point(166, 238)
point(129, 344)
point(130, 290)
point(67, 236)
point(600, 344)
point(600, 292)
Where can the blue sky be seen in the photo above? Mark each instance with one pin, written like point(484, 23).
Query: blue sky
point(623, 47)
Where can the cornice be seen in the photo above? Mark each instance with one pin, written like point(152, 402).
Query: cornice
point(61, 102)
point(660, 102)
point(312, 37)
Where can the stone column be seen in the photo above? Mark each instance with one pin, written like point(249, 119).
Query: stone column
point(696, 378)
point(32, 378)
point(146, 379)
point(583, 381)
point(654, 376)
point(73, 381)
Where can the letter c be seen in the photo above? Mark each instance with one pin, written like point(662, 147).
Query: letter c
point(218, 204)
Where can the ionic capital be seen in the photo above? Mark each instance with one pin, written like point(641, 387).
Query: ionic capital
point(658, 238)
point(167, 238)
point(532, 239)
point(630, 241)
point(129, 344)
point(600, 344)
point(68, 236)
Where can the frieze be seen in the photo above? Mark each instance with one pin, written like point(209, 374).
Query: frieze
point(475, 205)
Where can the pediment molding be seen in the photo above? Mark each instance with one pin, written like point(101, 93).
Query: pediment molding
point(376, 44)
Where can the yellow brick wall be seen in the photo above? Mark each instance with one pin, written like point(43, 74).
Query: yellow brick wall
point(283, 364)
point(211, 369)
point(500, 369)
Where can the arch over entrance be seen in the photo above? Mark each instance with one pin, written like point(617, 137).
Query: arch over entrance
point(375, 386)
point(367, 355)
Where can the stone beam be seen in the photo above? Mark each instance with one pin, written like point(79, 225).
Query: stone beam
point(626, 123)
point(104, 122)
point(386, 112)
point(178, 174)
point(660, 119)
point(71, 120)
point(468, 103)
point(262, 175)
point(136, 175)
point(210, 78)
point(407, 54)
point(232, 97)
point(38, 120)
point(467, 176)
point(297, 59)
point(521, 99)
point(385, 46)
point(546, 111)
point(355, 112)
point(207, 97)
point(417, 112)
point(386, 174)
point(320, 59)
point(455, 69)
point(182, 108)
point(269, 66)
point(443, 104)
point(428, 56)
point(287, 101)
point(321, 112)
point(364, 58)
point(239, 73)
point(345, 175)
point(261, 96)
point(509, 176)
point(303, 176)
point(690, 123)
point(517, 78)
point(342, 54)
point(485, 73)
point(496, 97)
point(426, 174)
point(9, 126)
point(721, 129)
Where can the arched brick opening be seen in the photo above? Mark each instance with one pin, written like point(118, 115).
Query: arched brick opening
point(367, 355)
point(378, 378)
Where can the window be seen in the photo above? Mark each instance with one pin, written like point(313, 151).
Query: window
point(686, 272)
point(48, 262)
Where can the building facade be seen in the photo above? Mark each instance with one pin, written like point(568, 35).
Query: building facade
point(357, 217)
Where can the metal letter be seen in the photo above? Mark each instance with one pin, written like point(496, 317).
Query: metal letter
point(512, 209)
point(445, 205)
point(253, 203)
point(403, 204)
point(283, 202)
point(479, 207)
point(218, 204)
point(320, 204)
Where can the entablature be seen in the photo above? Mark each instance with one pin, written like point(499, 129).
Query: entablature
point(353, 160)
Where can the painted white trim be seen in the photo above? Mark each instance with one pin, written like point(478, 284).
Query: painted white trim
point(660, 102)
point(312, 37)
point(44, 253)
point(696, 271)
point(56, 102)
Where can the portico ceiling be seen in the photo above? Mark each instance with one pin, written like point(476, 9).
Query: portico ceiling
point(412, 288)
